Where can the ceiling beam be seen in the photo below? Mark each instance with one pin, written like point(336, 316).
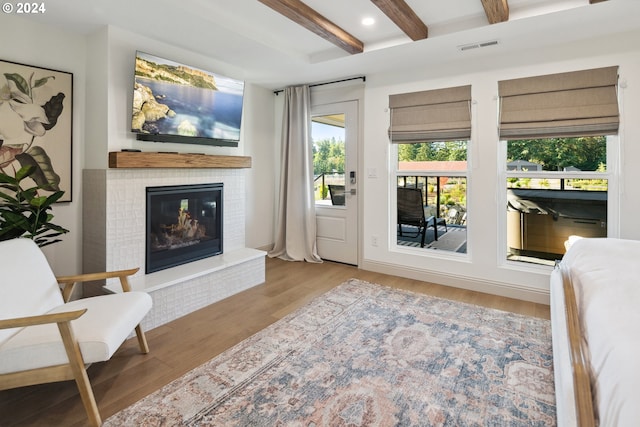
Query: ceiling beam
point(596, 1)
point(496, 10)
point(404, 17)
point(302, 14)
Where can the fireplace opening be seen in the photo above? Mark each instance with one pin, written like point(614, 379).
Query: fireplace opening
point(184, 224)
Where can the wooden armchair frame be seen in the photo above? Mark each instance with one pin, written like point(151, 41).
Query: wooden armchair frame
point(76, 368)
point(68, 284)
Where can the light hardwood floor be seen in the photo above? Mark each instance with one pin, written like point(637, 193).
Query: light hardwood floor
point(186, 343)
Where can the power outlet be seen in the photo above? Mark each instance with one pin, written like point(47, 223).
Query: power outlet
point(374, 240)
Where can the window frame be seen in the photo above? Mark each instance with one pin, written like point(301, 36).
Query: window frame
point(613, 201)
point(396, 173)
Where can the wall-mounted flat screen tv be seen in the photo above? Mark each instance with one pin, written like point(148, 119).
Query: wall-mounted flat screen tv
point(173, 102)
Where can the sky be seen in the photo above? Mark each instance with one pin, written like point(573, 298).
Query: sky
point(321, 131)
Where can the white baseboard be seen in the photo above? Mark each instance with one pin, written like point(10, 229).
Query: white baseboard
point(479, 285)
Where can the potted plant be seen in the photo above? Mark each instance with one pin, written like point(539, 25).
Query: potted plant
point(26, 213)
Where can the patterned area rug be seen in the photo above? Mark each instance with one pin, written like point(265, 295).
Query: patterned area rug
point(367, 355)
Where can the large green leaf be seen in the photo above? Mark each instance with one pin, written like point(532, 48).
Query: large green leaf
point(21, 174)
point(4, 178)
point(54, 197)
point(24, 212)
point(53, 108)
point(14, 224)
point(21, 83)
point(44, 175)
point(38, 202)
point(26, 195)
point(7, 197)
point(10, 232)
point(43, 81)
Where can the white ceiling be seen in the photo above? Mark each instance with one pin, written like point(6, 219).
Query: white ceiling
point(268, 49)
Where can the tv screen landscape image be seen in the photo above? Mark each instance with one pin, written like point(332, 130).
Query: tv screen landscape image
point(173, 102)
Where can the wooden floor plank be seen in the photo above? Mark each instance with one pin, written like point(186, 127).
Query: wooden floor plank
point(186, 343)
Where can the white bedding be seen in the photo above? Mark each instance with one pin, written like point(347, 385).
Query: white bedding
point(606, 277)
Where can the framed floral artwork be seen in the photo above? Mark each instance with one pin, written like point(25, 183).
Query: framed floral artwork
point(36, 124)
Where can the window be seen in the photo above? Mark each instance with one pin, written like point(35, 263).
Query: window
point(556, 188)
point(558, 173)
point(328, 135)
point(439, 171)
point(430, 131)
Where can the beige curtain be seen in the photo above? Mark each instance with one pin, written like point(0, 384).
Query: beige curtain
point(295, 238)
point(431, 115)
point(578, 103)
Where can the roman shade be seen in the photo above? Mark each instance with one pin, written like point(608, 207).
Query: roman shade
point(579, 103)
point(432, 115)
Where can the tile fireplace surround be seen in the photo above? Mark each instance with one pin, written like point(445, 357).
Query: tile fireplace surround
point(114, 239)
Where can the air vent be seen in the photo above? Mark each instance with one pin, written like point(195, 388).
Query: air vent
point(478, 45)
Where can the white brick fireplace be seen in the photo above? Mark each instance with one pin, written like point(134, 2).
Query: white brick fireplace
point(114, 238)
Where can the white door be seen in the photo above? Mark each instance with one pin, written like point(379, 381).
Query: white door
point(334, 130)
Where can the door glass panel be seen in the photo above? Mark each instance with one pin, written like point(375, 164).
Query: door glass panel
point(328, 136)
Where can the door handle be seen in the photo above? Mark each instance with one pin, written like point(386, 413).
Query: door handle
point(352, 191)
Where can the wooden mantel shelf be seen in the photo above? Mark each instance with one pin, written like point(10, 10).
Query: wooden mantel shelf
point(129, 159)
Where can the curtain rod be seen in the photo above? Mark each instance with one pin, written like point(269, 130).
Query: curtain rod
point(364, 79)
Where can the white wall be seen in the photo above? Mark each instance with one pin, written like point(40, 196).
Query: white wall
point(261, 178)
point(25, 41)
point(483, 269)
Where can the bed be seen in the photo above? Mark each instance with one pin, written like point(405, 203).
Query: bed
point(595, 315)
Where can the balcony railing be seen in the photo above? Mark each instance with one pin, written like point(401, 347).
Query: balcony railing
point(322, 181)
point(441, 193)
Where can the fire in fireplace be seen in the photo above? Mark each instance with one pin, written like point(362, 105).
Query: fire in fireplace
point(184, 224)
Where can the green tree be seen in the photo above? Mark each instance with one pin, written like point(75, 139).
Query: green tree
point(328, 156)
point(433, 151)
point(554, 154)
point(408, 152)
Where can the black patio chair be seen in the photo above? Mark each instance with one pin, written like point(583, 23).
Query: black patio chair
point(411, 212)
point(337, 194)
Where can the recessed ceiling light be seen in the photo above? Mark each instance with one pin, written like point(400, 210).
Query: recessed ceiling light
point(368, 21)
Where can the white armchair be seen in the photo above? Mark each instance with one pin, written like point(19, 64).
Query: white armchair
point(44, 338)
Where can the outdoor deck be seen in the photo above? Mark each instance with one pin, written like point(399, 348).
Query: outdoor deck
point(453, 239)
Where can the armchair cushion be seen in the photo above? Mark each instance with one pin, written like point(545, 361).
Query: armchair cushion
point(27, 278)
point(39, 346)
